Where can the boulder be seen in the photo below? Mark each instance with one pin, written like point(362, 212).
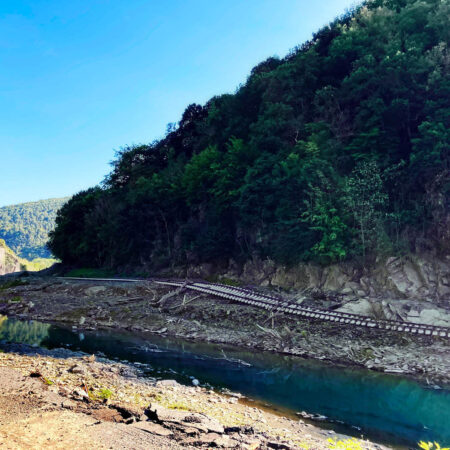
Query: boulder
point(434, 316)
point(362, 306)
point(184, 418)
point(94, 290)
point(153, 428)
point(165, 383)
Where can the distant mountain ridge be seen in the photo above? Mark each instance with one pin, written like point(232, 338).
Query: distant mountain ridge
point(25, 226)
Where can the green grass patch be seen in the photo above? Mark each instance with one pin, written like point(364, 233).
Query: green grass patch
point(179, 406)
point(13, 283)
point(345, 444)
point(104, 394)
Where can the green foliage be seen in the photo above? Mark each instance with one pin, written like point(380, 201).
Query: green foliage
point(104, 394)
point(345, 444)
point(365, 198)
point(431, 446)
point(14, 263)
point(25, 227)
point(179, 406)
point(13, 283)
point(339, 150)
point(39, 264)
point(323, 217)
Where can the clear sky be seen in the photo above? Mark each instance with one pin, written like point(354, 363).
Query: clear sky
point(80, 79)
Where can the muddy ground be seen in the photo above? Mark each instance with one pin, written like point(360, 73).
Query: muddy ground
point(147, 307)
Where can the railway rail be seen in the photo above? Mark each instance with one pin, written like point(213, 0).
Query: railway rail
point(275, 304)
point(250, 297)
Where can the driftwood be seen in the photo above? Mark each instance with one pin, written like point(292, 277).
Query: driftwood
point(170, 294)
point(235, 360)
point(272, 333)
point(185, 302)
point(273, 314)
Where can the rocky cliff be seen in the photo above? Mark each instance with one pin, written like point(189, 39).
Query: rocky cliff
point(424, 278)
point(9, 262)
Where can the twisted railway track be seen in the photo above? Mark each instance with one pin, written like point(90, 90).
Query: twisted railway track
point(275, 304)
point(250, 297)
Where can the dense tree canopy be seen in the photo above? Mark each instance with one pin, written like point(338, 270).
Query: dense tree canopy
point(25, 227)
point(339, 150)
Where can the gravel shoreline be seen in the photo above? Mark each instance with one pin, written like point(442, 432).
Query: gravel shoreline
point(103, 404)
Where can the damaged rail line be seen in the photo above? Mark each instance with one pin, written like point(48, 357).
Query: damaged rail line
point(275, 304)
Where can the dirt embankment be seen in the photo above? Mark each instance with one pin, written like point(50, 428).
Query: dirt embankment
point(151, 308)
point(58, 399)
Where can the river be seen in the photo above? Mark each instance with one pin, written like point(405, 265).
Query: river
point(386, 408)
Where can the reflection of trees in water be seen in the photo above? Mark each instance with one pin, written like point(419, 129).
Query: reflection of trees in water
point(23, 332)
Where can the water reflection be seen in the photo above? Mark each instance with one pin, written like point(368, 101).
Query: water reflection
point(30, 333)
point(390, 408)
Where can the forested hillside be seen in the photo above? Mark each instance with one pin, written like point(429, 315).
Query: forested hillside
point(10, 262)
point(25, 227)
point(340, 150)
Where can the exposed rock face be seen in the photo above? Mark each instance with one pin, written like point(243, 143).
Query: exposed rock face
point(424, 277)
point(8, 261)
point(416, 311)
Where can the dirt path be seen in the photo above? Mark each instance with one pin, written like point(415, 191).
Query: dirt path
point(32, 417)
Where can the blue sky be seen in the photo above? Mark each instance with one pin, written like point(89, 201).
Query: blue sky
point(80, 79)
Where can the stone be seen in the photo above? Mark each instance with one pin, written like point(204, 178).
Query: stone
point(435, 316)
point(153, 428)
point(278, 445)
point(417, 276)
point(235, 394)
point(334, 278)
point(64, 391)
point(68, 404)
point(194, 420)
point(94, 290)
point(172, 383)
point(80, 393)
point(362, 306)
point(128, 411)
point(78, 369)
point(252, 445)
point(243, 429)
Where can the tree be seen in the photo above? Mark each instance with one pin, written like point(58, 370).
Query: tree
point(323, 217)
point(365, 198)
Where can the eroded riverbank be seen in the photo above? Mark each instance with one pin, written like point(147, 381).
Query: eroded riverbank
point(151, 308)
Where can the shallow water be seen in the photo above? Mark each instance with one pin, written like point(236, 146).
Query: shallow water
point(387, 408)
